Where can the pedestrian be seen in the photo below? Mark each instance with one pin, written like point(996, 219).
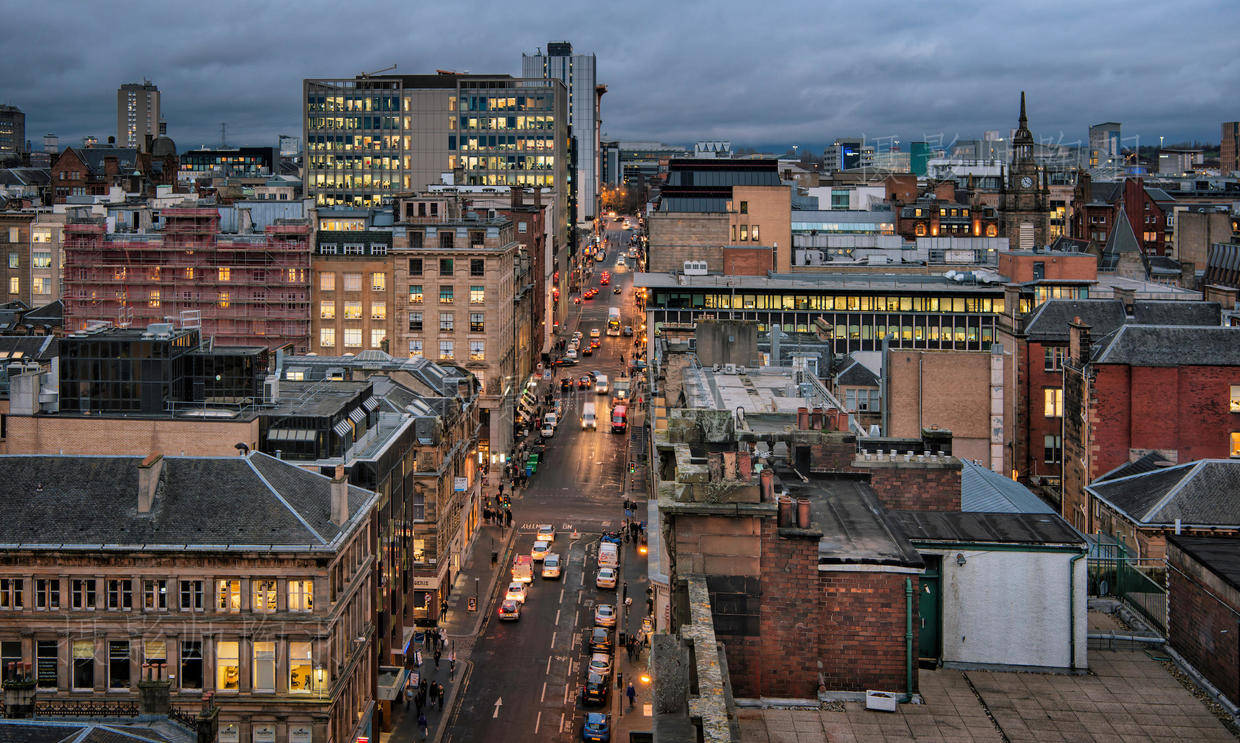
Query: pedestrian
point(624, 591)
point(439, 694)
point(631, 693)
point(409, 690)
point(452, 663)
point(437, 653)
point(418, 700)
point(422, 724)
point(627, 603)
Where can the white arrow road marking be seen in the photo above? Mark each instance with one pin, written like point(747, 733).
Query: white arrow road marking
point(498, 703)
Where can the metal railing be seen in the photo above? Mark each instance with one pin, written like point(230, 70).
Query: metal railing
point(1140, 583)
point(85, 708)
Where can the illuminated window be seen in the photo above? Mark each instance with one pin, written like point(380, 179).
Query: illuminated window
point(377, 336)
point(754, 233)
point(228, 594)
point(327, 281)
point(189, 272)
point(415, 348)
point(352, 337)
point(378, 310)
point(920, 230)
point(327, 337)
point(1235, 443)
point(353, 310)
point(477, 295)
point(477, 351)
point(264, 666)
point(415, 294)
point(300, 668)
point(1052, 402)
point(225, 274)
point(327, 310)
point(301, 595)
point(445, 295)
point(227, 665)
point(378, 281)
point(744, 232)
point(445, 350)
point(15, 285)
point(477, 322)
point(991, 230)
point(264, 595)
point(224, 300)
point(1235, 398)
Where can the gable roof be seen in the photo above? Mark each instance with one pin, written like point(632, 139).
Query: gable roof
point(1202, 493)
point(1170, 345)
point(251, 502)
point(857, 374)
point(1049, 322)
point(985, 491)
point(1149, 462)
point(1123, 239)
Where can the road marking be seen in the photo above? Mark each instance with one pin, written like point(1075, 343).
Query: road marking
point(553, 640)
point(557, 611)
point(541, 698)
point(498, 702)
point(562, 720)
point(537, 721)
point(548, 671)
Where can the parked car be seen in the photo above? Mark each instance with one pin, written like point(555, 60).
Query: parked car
point(606, 578)
point(551, 566)
point(595, 692)
point(596, 728)
point(509, 610)
point(628, 331)
point(600, 640)
point(605, 615)
point(588, 350)
point(600, 663)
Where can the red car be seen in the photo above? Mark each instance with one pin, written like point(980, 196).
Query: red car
point(584, 383)
point(605, 279)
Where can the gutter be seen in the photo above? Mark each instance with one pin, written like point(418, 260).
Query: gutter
point(1072, 611)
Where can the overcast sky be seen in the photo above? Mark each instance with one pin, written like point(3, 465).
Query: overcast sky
point(759, 73)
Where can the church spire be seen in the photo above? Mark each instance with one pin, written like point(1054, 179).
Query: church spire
point(1024, 122)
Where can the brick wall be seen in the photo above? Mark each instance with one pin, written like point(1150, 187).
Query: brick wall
point(746, 261)
point(833, 455)
point(119, 436)
point(863, 622)
point(676, 238)
point(915, 486)
point(1201, 627)
point(948, 389)
point(790, 618)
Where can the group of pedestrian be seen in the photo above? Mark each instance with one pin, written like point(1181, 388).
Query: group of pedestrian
point(633, 529)
point(423, 693)
point(634, 644)
point(497, 516)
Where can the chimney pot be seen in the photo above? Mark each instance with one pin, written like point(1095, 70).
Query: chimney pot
point(340, 497)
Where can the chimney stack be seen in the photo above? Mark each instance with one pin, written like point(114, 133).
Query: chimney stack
point(340, 497)
point(148, 481)
point(1079, 344)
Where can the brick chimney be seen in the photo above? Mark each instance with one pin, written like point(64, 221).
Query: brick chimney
point(111, 166)
point(340, 497)
point(1079, 343)
point(148, 481)
point(1188, 275)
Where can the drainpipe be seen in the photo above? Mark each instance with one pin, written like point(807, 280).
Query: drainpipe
point(908, 640)
point(1072, 611)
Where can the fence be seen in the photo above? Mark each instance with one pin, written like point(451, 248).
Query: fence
point(1139, 583)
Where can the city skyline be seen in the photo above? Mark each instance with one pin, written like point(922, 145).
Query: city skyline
point(669, 75)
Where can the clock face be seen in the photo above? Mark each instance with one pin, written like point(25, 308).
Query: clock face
point(1026, 182)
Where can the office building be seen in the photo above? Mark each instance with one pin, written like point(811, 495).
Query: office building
point(1104, 145)
point(578, 73)
point(1229, 148)
point(137, 113)
point(231, 161)
point(12, 132)
point(847, 154)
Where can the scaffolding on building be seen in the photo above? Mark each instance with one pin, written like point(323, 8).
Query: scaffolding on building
point(245, 289)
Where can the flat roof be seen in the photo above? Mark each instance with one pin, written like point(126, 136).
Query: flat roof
point(986, 528)
point(855, 530)
point(858, 282)
point(1221, 555)
point(314, 399)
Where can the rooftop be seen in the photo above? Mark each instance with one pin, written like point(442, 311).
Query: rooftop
point(1170, 345)
point(855, 529)
point(985, 491)
point(249, 503)
point(1201, 493)
point(986, 528)
point(1220, 554)
point(818, 282)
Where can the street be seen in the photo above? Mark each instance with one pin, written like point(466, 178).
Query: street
point(524, 677)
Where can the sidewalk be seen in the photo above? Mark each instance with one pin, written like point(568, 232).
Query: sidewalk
point(639, 718)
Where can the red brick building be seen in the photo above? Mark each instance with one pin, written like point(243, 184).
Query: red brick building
point(1203, 595)
point(1096, 208)
point(91, 171)
point(1160, 388)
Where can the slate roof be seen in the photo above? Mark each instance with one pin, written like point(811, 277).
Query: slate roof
point(1176, 312)
point(36, 347)
point(1069, 245)
point(1049, 322)
point(986, 528)
point(93, 157)
point(1170, 345)
point(1220, 554)
point(251, 502)
point(1202, 493)
point(986, 491)
point(1223, 265)
point(855, 528)
point(1147, 463)
point(857, 374)
point(1123, 239)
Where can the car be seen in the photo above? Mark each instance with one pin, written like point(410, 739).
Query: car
point(595, 342)
point(617, 290)
point(588, 351)
point(566, 383)
point(509, 610)
point(600, 640)
point(571, 355)
point(577, 335)
point(584, 383)
point(547, 431)
point(606, 578)
point(595, 691)
point(596, 728)
point(596, 333)
point(551, 565)
point(546, 533)
point(628, 331)
point(605, 279)
point(516, 591)
point(605, 615)
point(540, 550)
point(600, 663)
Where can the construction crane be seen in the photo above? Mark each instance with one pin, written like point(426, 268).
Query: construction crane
point(378, 72)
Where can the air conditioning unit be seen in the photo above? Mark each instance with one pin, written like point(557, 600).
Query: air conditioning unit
point(695, 268)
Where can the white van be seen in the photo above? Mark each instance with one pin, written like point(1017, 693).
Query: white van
point(588, 419)
point(608, 555)
point(548, 426)
point(600, 384)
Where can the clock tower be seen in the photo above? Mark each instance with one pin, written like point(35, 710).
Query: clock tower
point(1024, 196)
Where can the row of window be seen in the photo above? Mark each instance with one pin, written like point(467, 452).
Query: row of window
point(352, 310)
point(447, 322)
point(740, 301)
point(153, 594)
point(38, 259)
point(447, 266)
point(447, 294)
point(955, 229)
point(351, 282)
point(353, 249)
point(744, 232)
point(117, 664)
point(447, 350)
point(352, 337)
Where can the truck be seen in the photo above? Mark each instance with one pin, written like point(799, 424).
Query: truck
point(523, 569)
point(588, 418)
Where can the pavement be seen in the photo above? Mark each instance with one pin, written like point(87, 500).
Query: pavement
point(1128, 696)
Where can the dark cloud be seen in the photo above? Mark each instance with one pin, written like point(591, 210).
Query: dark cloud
point(774, 72)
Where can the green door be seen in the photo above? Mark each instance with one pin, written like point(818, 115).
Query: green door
point(929, 617)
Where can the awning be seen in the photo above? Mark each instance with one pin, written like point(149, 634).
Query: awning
point(342, 428)
point(357, 415)
point(371, 403)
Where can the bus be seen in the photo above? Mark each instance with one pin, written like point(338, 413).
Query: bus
point(613, 321)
